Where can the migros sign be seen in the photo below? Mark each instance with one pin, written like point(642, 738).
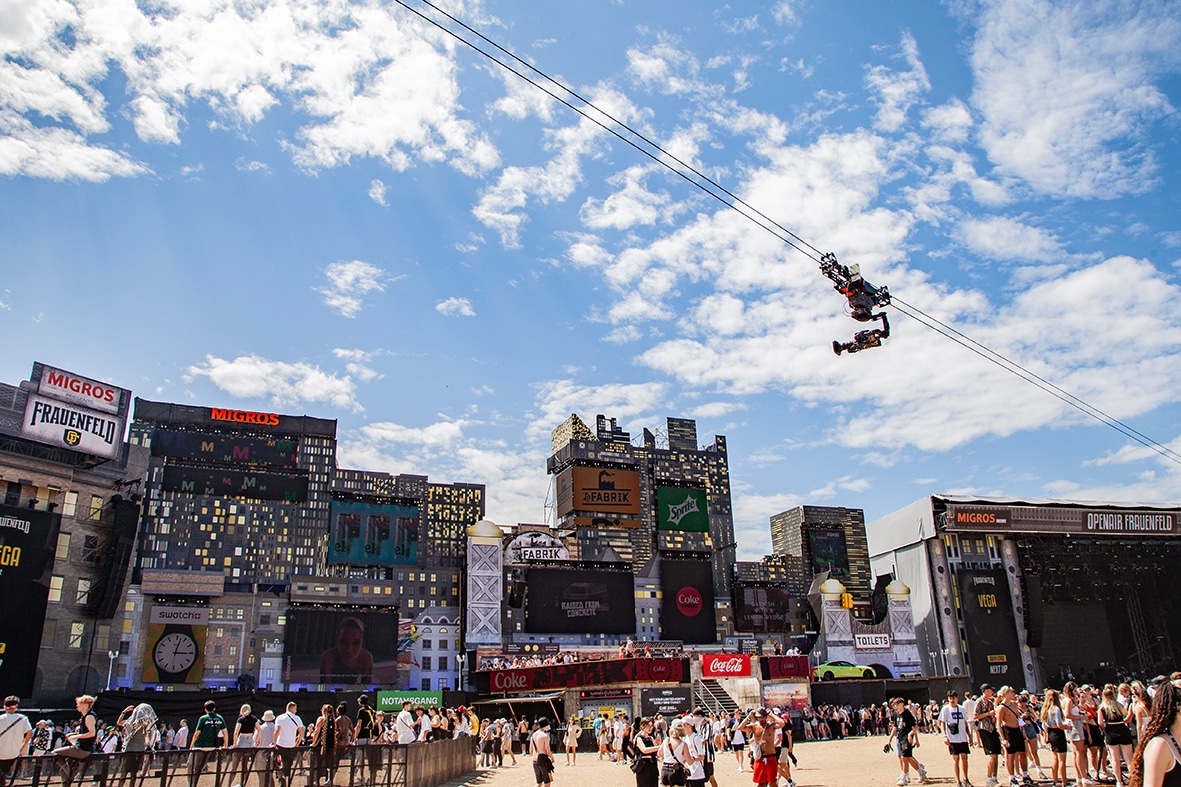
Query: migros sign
point(243, 417)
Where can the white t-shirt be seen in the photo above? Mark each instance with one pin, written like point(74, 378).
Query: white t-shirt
point(12, 740)
point(955, 718)
point(405, 725)
point(695, 749)
point(969, 709)
point(181, 740)
point(287, 730)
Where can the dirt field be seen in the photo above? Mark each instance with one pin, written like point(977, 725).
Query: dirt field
point(853, 762)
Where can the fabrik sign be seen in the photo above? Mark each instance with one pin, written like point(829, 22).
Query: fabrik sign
point(725, 665)
point(529, 547)
point(598, 490)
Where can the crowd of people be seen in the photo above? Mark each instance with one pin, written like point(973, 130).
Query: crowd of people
point(270, 745)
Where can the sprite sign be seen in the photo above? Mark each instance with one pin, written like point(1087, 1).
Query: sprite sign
point(682, 509)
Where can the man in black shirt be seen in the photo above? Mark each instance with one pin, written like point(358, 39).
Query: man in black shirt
point(366, 734)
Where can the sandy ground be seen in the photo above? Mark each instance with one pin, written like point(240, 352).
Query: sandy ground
point(853, 762)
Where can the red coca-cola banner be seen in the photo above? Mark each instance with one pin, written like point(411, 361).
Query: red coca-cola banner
point(725, 665)
point(785, 667)
point(586, 673)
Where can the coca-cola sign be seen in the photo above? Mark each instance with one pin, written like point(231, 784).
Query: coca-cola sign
point(725, 665)
point(689, 601)
point(511, 680)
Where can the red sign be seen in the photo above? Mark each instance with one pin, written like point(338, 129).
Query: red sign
point(775, 667)
point(725, 665)
point(689, 601)
point(586, 673)
point(243, 417)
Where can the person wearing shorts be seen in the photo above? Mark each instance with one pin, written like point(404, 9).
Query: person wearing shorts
point(543, 756)
point(990, 739)
point(759, 727)
point(1055, 723)
point(905, 736)
point(954, 724)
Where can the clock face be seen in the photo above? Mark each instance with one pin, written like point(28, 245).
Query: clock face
point(175, 652)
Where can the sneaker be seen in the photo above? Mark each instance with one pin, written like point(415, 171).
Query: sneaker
point(1028, 782)
point(1040, 773)
point(991, 782)
point(967, 783)
point(791, 783)
point(1014, 781)
point(922, 773)
point(903, 779)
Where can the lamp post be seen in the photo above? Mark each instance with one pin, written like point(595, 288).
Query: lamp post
point(112, 655)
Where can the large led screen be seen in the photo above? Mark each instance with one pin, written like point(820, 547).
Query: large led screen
point(213, 482)
point(373, 534)
point(763, 610)
point(329, 647)
point(687, 608)
point(829, 552)
point(598, 490)
point(236, 449)
point(994, 653)
point(27, 542)
point(682, 509)
point(580, 601)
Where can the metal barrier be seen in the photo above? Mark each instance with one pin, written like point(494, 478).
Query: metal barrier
point(378, 765)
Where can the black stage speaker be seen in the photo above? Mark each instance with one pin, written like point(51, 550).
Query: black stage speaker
point(125, 522)
point(1035, 615)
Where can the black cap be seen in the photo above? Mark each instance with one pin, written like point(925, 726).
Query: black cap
point(543, 722)
point(986, 687)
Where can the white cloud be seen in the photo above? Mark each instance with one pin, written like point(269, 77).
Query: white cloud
point(1067, 94)
point(349, 283)
point(357, 363)
point(628, 402)
point(246, 165)
point(1004, 238)
point(377, 192)
point(455, 307)
point(366, 79)
point(896, 91)
point(284, 384)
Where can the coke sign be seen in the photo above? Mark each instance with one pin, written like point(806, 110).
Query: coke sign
point(511, 680)
point(689, 601)
point(725, 665)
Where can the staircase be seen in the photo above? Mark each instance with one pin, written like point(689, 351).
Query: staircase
point(711, 696)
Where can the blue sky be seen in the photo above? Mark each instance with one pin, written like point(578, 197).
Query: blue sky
point(335, 209)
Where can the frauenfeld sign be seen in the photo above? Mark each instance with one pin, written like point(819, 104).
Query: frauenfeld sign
point(725, 665)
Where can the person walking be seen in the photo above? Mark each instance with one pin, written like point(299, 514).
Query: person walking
point(543, 755)
point(953, 721)
point(905, 738)
point(759, 730)
point(507, 730)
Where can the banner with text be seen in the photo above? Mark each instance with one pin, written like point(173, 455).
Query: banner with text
point(682, 509)
point(725, 665)
point(27, 542)
point(687, 601)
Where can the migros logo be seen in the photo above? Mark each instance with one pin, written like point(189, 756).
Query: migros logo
point(65, 382)
point(974, 518)
point(243, 417)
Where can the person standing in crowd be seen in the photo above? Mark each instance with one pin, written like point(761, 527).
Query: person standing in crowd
point(42, 738)
point(1031, 728)
point(645, 767)
point(344, 737)
point(139, 734)
point(953, 720)
point(705, 728)
point(1008, 721)
point(990, 739)
point(264, 742)
point(404, 724)
point(244, 741)
point(543, 755)
point(694, 754)
point(673, 752)
point(289, 730)
point(507, 730)
point(15, 734)
point(1093, 734)
point(573, 733)
point(1141, 708)
point(602, 734)
point(783, 740)
point(1115, 720)
point(969, 706)
point(1055, 724)
point(1157, 761)
point(208, 736)
point(618, 736)
point(365, 734)
point(759, 730)
point(323, 744)
point(180, 741)
point(904, 730)
point(737, 739)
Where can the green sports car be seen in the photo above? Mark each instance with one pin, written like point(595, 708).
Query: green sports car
point(842, 669)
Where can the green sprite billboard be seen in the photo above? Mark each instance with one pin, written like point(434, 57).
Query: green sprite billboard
point(682, 509)
point(392, 700)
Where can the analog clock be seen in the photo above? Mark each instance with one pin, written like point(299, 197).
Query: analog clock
point(175, 653)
